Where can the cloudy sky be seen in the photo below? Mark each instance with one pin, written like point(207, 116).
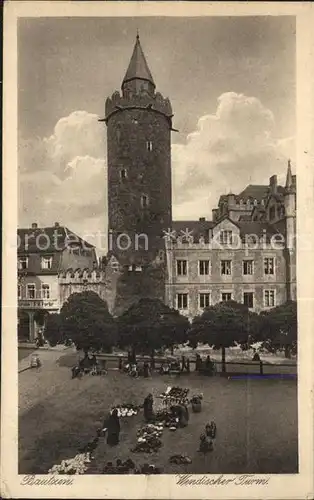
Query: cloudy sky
point(231, 82)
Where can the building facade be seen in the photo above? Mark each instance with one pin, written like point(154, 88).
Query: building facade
point(42, 254)
point(247, 253)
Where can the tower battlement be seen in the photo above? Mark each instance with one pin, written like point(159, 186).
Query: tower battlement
point(142, 100)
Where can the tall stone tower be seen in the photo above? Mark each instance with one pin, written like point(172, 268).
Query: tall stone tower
point(139, 124)
point(290, 217)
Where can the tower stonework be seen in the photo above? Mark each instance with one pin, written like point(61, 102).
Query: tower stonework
point(139, 124)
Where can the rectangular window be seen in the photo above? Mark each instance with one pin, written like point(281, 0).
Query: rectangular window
point(247, 267)
point(203, 266)
point(31, 291)
point(226, 296)
point(226, 237)
point(269, 298)
point(182, 267)
point(182, 301)
point(149, 145)
point(144, 201)
point(123, 174)
point(269, 267)
point(46, 262)
point(225, 267)
point(248, 299)
point(45, 291)
point(23, 262)
point(204, 300)
point(19, 291)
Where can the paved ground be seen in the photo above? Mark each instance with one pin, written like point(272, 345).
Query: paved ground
point(256, 420)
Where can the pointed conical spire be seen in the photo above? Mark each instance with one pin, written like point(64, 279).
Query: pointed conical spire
point(289, 176)
point(138, 67)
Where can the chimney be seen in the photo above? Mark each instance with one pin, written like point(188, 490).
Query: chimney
point(57, 224)
point(273, 184)
point(202, 219)
point(214, 213)
point(231, 199)
point(34, 225)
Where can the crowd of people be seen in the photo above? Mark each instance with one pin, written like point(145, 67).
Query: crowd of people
point(167, 367)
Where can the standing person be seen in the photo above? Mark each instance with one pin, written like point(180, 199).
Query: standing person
point(198, 363)
point(148, 407)
point(188, 365)
point(208, 364)
point(113, 428)
point(120, 364)
point(184, 416)
point(146, 370)
point(183, 365)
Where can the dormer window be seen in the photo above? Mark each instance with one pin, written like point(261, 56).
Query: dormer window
point(23, 263)
point(149, 145)
point(226, 237)
point(144, 201)
point(46, 262)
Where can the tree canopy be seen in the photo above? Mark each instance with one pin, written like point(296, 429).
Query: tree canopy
point(222, 325)
point(150, 324)
point(85, 319)
point(279, 326)
point(53, 330)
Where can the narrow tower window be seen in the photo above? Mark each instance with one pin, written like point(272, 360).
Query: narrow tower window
point(149, 145)
point(123, 174)
point(144, 201)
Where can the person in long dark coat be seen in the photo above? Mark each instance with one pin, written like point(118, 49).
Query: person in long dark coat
point(198, 363)
point(148, 407)
point(146, 370)
point(188, 365)
point(113, 428)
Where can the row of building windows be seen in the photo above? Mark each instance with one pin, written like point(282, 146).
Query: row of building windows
point(33, 293)
point(45, 262)
point(204, 299)
point(226, 267)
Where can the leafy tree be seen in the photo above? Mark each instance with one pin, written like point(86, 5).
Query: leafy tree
point(278, 327)
point(85, 319)
point(53, 331)
point(149, 325)
point(222, 325)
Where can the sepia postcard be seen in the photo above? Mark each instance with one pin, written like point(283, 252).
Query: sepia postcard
point(158, 278)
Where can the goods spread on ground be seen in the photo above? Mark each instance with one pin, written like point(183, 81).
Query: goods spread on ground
point(180, 460)
point(76, 465)
point(175, 395)
point(126, 410)
point(129, 467)
point(148, 438)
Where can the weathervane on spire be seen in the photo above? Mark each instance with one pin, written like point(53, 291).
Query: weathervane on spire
point(137, 34)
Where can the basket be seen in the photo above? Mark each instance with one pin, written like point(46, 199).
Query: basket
point(197, 407)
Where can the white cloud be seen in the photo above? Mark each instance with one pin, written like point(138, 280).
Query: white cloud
point(63, 177)
point(234, 147)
